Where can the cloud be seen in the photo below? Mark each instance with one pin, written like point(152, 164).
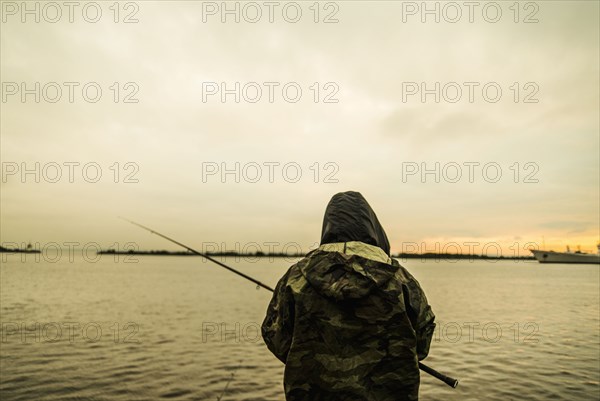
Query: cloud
point(368, 134)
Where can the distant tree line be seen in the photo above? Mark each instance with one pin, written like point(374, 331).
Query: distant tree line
point(260, 254)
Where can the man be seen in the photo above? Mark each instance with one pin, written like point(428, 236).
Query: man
point(348, 321)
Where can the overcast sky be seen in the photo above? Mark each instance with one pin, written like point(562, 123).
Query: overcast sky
point(370, 130)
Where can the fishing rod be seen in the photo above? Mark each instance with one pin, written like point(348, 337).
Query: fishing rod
point(446, 379)
point(223, 265)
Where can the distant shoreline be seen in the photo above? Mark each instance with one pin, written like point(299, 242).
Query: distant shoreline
point(17, 250)
point(185, 253)
point(285, 255)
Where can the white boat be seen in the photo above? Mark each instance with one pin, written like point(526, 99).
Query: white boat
point(566, 257)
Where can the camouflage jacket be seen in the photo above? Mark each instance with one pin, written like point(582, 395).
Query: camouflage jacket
point(350, 324)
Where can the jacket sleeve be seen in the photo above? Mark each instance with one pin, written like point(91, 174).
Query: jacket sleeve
point(424, 329)
point(278, 326)
point(419, 312)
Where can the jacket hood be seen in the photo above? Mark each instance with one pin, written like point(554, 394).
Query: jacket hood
point(349, 217)
point(356, 262)
point(345, 277)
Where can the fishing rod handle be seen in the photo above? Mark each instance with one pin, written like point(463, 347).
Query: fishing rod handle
point(446, 379)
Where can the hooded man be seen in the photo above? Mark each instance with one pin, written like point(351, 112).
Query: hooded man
point(348, 321)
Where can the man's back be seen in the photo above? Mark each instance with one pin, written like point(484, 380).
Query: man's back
point(350, 324)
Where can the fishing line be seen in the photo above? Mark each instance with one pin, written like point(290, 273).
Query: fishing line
point(219, 398)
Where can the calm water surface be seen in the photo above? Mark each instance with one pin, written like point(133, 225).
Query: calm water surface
point(179, 328)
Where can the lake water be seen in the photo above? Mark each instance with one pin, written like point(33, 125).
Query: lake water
point(179, 328)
